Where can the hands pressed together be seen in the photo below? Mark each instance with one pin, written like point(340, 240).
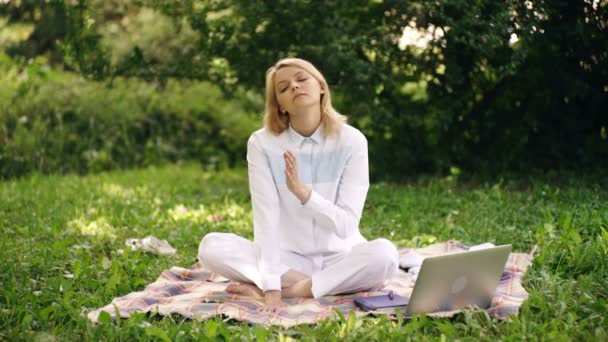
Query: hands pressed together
point(301, 191)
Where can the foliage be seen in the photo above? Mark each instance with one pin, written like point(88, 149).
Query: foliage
point(477, 85)
point(61, 235)
point(485, 85)
point(59, 122)
point(523, 84)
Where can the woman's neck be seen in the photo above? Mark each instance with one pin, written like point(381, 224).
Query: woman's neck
point(306, 121)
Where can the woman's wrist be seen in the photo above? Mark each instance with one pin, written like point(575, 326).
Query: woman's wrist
point(304, 194)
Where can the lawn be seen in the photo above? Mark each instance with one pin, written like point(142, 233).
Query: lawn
point(61, 236)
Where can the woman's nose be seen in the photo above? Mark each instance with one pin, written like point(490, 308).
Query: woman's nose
point(295, 86)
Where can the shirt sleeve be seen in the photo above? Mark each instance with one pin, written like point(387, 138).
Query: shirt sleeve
point(265, 202)
point(343, 216)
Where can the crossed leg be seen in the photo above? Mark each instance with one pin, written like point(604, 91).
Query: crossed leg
point(366, 266)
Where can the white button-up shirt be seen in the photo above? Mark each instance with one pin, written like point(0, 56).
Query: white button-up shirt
point(334, 167)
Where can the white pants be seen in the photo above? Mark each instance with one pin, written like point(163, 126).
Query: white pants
point(366, 266)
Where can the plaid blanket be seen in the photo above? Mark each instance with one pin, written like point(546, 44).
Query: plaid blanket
point(199, 294)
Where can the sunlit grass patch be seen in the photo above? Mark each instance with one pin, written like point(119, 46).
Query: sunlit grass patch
point(98, 227)
point(124, 193)
point(228, 214)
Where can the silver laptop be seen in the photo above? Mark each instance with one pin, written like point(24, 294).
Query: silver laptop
point(451, 282)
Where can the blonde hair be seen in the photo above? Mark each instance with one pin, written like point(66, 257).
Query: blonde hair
point(277, 122)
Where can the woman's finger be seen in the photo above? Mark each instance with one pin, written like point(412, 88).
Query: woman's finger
point(287, 159)
point(291, 156)
point(289, 164)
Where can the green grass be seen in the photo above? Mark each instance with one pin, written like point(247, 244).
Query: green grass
point(60, 236)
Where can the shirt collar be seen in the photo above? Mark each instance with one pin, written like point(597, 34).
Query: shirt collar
point(317, 137)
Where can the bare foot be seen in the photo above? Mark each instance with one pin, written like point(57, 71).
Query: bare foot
point(245, 290)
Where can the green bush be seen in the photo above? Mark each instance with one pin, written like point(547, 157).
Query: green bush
point(59, 122)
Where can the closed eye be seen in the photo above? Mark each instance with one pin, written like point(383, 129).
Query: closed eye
point(303, 79)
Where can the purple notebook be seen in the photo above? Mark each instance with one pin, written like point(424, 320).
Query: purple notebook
point(381, 302)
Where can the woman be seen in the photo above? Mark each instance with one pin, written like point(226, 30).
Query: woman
point(308, 178)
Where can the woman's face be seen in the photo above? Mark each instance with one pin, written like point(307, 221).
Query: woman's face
point(296, 89)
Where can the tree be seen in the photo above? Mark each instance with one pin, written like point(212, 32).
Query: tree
point(483, 85)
